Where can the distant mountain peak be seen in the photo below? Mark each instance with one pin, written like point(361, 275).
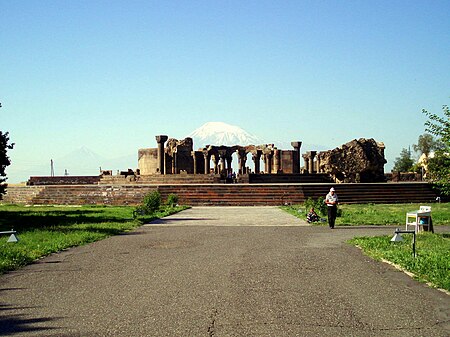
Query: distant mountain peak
point(220, 133)
point(83, 153)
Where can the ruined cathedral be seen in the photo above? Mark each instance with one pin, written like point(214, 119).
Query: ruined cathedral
point(359, 160)
point(174, 156)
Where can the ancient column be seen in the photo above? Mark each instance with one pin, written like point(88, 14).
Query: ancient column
point(296, 164)
point(215, 162)
point(174, 163)
point(312, 154)
point(241, 161)
point(207, 157)
point(306, 161)
point(319, 170)
point(276, 160)
point(165, 162)
point(256, 157)
point(161, 140)
point(222, 157)
point(195, 161)
point(268, 163)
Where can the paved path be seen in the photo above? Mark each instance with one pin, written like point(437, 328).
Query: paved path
point(235, 271)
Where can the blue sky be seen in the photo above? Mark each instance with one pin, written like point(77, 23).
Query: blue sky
point(110, 75)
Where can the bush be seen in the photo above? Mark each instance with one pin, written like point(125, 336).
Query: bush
point(172, 200)
point(152, 201)
point(319, 205)
point(150, 204)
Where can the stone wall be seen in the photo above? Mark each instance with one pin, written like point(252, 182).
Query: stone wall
point(183, 154)
point(64, 180)
point(403, 176)
point(199, 162)
point(148, 161)
point(178, 156)
point(288, 158)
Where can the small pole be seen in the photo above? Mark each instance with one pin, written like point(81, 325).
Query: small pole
point(13, 237)
point(397, 231)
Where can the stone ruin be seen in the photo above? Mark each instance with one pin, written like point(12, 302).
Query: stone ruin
point(178, 157)
point(357, 161)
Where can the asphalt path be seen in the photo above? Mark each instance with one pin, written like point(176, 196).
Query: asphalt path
point(221, 271)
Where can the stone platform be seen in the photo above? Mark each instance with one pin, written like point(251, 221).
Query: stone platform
point(219, 194)
point(175, 179)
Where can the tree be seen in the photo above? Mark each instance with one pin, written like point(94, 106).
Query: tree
point(404, 163)
point(4, 159)
point(426, 144)
point(439, 165)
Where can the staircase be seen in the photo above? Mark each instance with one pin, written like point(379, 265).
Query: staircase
point(158, 179)
point(234, 194)
point(21, 194)
point(376, 193)
point(289, 178)
point(219, 194)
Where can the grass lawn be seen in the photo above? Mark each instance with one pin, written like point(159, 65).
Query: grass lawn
point(432, 263)
point(377, 214)
point(49, 229)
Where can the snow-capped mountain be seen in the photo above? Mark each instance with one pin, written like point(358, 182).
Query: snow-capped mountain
point(219, 133)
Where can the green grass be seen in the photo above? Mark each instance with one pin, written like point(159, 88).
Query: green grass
point(377, 214)
point(431, 263)
point(45, 230)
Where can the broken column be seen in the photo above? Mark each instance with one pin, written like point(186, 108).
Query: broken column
point(256, 157)
point(311, 154)
point(306, 161)
point(242, 158)
point(296, 161)
point(207, 157)
point(160, 164)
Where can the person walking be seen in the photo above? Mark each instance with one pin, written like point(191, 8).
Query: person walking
point(331, 200)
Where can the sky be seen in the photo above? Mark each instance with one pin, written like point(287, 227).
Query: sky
point(110, 75)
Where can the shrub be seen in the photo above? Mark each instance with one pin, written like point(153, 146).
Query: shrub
point(172, 200)
point(152, 201)
point(150, 204)
point(319, 205)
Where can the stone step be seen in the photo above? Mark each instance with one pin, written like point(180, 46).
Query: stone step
point(289, 178)
point(220, 194)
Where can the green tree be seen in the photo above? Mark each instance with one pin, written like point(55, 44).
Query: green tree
point(439, 165)
point(426, 144)
point(4, 159)
point(404, 163)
